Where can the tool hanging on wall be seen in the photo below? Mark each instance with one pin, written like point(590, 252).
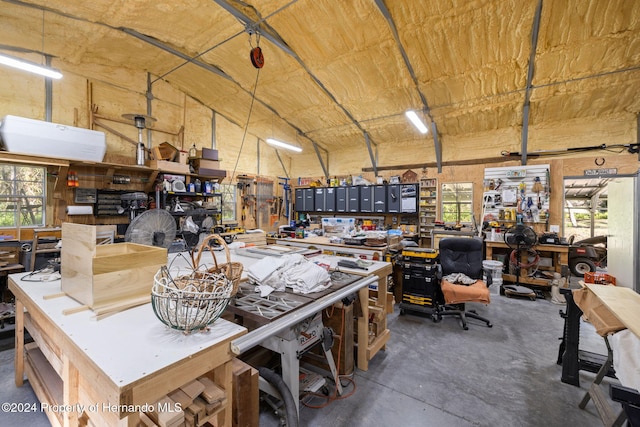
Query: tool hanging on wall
point(287, 194)
point(537, 188)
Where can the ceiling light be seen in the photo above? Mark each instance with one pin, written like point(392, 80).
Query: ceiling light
point(31, 67)
point(276, 143)
point(411, 115)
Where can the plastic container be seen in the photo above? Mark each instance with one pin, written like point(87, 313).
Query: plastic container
point(599, 278)
point(493, 268)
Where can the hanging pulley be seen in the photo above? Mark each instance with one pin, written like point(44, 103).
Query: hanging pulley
point(257, 58)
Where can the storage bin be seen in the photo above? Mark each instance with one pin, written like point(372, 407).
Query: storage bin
point(599, 278)
point(100, 275)
point(494, 269)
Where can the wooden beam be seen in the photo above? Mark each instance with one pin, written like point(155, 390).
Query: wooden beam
point(435, 164)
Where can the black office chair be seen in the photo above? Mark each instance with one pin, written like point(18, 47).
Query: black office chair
point(462, 255)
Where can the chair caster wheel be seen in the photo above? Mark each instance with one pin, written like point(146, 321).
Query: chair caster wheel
point(402, 312)
point(490, 325)
point(465, 327)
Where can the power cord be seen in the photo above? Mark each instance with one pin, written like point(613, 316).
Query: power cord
point(350, 381)
point(47, 274)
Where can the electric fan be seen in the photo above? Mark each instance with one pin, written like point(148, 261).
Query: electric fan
point(155, 227)
point(521, 238)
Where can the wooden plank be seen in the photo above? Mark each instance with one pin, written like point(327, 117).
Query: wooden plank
point(340, 319)
point(167, 418)
point(622, 302)
point(48, 348)
point(193, 388)
point(246, 395)
point(76, 309)
point(212, 393)
point(19, 342)
point(45, 382)
point(180, 397)
point(70, 390)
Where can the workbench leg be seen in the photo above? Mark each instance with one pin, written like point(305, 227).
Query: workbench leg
point(291, 369)
point(19, 343)
point(382, 301)
point(363, 329)
point(70, 391)
point(571, 338)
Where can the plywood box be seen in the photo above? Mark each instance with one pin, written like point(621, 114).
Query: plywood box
point(101, 275)
point(166, 166)
point(214, 173)
point(206, 164)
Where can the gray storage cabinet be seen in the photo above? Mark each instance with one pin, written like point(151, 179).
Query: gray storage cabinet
point(308, 199)
point(393, 198)
point(330, 199)
point(366, 198)
point(341, 199)
point(353, 198)
point(318, 199)
point(380, 198)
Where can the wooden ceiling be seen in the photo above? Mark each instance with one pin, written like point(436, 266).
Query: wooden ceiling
point(341, 73)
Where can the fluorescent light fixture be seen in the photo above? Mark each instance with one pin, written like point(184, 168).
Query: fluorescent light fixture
point(29, 66)
point(276, 143)
point(411, 115)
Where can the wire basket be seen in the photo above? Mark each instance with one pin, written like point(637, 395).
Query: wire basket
point(190, 302)
point(233, 270)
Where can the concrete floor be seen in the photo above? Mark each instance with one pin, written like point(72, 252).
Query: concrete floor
point(437, 374)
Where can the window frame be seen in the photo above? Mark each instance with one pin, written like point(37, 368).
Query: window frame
point(458, 211)
point(12, 200)
point(229, 206)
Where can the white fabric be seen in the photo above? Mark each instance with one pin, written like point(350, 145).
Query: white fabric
point(625, 346)
point(264, 268)
point(294, 271)
point(459, 278)
point(264, 290)
point(306, 277)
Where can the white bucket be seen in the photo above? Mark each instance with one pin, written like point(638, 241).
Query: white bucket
point(494, 268)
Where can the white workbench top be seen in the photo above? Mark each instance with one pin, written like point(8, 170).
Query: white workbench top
point(129, 345)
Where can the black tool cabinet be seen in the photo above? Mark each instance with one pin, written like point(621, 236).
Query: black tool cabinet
point(420, 283)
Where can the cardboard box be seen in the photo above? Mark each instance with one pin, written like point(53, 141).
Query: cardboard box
point(171, 167)
point(207, 153)
point(205, 164)
point(183, 158)
point(100, 275)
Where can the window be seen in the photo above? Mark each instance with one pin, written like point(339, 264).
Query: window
point(22, 196)
point(228, 202)
point(457, 202)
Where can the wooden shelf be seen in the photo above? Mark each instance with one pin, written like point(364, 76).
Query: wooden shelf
point(427, 206)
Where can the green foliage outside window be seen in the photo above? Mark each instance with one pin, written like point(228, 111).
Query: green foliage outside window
point(22, 196)
point(228, 202)
point(457, 203)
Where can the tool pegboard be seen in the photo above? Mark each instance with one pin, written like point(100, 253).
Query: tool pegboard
point(522, 189)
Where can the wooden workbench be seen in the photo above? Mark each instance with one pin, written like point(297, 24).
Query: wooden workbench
point(104, 370)
point(559, 255)
point(323, 243)
point(366, 349)
point(623, 303)
point(619, 309)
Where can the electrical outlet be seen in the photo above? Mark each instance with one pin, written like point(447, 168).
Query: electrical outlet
point(554, 228)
